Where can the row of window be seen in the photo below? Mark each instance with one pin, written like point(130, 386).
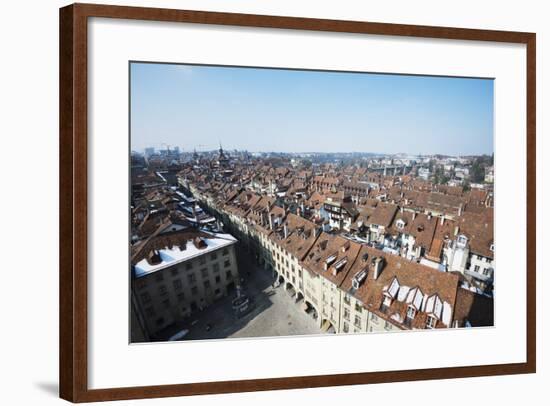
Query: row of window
point(357, 319)
point(485, 272)
point(178, 286)
point(346, 329)
point(159, 276)
point(150, 311)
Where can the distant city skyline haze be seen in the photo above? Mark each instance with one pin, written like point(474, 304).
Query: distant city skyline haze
point(284, 110)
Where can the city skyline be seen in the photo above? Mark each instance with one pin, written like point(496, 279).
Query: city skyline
point(260, 110)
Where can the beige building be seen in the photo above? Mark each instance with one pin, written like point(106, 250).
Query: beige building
point(179, 272)
point(347, 286)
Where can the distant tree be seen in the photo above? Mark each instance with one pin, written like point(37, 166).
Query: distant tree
point(477, 174)
point(438, 175)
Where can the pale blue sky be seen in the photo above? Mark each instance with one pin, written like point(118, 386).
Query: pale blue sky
point(308, 111)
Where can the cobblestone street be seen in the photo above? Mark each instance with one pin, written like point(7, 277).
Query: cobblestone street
point(274, 311)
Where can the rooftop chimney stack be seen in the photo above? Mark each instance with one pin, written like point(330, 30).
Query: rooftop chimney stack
point(285, 228)
point(377, 264)
point(271, 221)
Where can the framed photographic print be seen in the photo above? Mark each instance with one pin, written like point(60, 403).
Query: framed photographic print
point(257, 202)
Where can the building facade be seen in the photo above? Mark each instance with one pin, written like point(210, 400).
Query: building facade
point(178, 273)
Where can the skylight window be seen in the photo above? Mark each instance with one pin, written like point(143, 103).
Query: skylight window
point(340, 264)
point(331, 259)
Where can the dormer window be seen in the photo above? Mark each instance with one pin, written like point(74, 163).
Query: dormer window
point(411, 312)
point(340, 264)
point(386, 303)
point(359, 278)
point(431, 321)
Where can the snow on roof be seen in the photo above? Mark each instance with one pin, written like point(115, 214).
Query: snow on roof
point(418, 298)
point(394, 288)
point(160, 175)
point(434, 305)
point(171, 256)
point(447, 314)
point(414, 297)
point(396, 317)
point(438, 307)
point(429, 304)
point(403, 292)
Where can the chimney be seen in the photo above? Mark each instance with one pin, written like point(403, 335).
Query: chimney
point(414, 215)
point(460, 208)
point(442, 220)
point(377, 265)
point(285, 228)
point(429, 216)
point(299, 212)
point(456, 230)
point(318, 231)
point(401, 209)
point(271, 221)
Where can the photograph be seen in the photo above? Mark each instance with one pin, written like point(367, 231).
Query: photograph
point(278, 202)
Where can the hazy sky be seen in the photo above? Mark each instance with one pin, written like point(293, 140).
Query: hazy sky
point(308, 111)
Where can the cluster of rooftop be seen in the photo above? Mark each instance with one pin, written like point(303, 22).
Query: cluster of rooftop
point(369, 246)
